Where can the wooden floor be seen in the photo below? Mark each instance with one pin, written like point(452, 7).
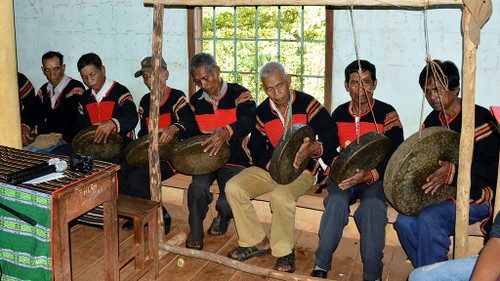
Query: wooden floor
point(87, 256)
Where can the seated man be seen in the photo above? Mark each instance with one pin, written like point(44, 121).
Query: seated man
point(54, 109)
point(106, 103)
point(282, 107)
point(226, 111)
point(425, 238)
point(175, 118)
point(355, 118)
point(485, 267)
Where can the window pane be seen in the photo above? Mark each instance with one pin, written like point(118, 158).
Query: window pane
point(248, 81)
point(208, 46)
point(290, 57)
point(296, 82)
point(314, 23)
point(314, 59)
point(227, 76)
point(246, 57)
point(245, 22)
point(225, 55)
point(291, 20)
point(268, 51)
point(268, 22)
point(314, 87)
point(207, 22)
point(224, 22)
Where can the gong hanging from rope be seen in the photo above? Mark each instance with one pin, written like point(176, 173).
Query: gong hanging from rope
point(415, 160)
point(364, 153)
point(281, 165)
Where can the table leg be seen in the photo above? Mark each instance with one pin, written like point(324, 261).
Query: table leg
point(111, 266)
point(61, 250)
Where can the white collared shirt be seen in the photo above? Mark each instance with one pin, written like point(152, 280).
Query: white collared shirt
point(215, 103)
point(104, 90)
point(54, 93)
point(275, 108)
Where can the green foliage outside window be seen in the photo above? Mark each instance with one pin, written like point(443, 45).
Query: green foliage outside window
point(242, 39)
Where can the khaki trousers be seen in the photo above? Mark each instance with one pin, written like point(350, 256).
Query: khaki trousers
point(252, 182)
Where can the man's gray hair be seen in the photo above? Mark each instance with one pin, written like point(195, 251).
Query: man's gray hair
point(272, 67)
point(202, 59)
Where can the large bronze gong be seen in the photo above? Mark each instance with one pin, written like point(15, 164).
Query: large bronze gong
point(364, 153)
point(188, 156)
point(83, 143)
point(136, 152)
point(281, 166)
point(410, 165)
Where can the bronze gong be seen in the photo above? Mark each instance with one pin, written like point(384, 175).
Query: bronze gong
point(136, 152)
point(281, 166)
point(410, 165)
point(364, 153)
point(188, 156)
point(83, 143)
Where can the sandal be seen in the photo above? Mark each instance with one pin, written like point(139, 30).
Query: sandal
point(218, 226)
point(193, 243)
point(286, 263)
point(244, 253)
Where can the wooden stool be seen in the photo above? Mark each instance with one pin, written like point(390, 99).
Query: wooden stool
point(143, 212)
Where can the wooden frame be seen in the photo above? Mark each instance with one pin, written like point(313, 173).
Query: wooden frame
point(468, 78)
point(195, 19)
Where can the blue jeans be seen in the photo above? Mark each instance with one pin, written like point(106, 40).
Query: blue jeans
point(426, 237)
point(370, 217)
point(453, 270)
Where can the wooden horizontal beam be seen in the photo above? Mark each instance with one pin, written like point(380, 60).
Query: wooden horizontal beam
point(371, 3)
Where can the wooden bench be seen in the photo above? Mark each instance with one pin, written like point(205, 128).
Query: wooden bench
point(143, 213)
point(308, 215)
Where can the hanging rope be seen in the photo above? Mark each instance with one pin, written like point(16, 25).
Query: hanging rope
point(437, 75)
point(360, 72)
point(288, 121)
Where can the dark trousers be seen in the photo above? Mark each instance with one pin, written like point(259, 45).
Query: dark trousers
point(370, 217)
point(426, 237)
point(200, 197)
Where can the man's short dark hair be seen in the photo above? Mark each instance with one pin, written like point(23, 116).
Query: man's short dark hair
point(365, 65)
point(202, 59)
point(448, 68)
point(52, 54)
point(89, 59)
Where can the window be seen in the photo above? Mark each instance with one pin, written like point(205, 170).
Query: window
point(242, 39)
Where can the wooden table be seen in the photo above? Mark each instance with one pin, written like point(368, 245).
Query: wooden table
point(75, 200)
point(71, 197)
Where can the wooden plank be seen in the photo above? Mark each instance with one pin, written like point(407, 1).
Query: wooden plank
point(305, 251)
point(374, 3)
point(397, 267)
point(329, 28)
point(214, 271)
point(344, 259)
point(9, 108)
point(466, 140)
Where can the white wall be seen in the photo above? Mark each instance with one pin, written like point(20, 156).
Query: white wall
point(394, 40)
point(120, 31)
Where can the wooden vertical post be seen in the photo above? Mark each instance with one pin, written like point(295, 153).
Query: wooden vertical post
point(496, 197)
point(466, 140)
point(154, 159)
point(10, 126)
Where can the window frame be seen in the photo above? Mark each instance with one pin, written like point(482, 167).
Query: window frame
point(194, 26)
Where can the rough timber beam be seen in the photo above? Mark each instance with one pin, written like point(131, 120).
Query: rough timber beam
point(371, 3)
